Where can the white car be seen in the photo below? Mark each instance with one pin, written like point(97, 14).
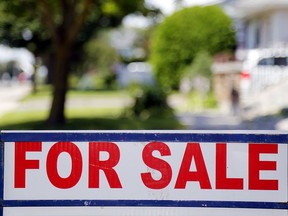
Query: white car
point(263, 68)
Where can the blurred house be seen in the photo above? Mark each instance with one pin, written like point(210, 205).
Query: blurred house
point(14, 61)
point(259, 24)
point(261, 28)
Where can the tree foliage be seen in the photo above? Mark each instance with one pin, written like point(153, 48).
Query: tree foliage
point(60, 29)
point(107, 54)
point(104, 63)
point(201, 66)
point(179, 38)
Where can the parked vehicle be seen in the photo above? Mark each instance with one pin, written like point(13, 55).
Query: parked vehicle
point(263, 68)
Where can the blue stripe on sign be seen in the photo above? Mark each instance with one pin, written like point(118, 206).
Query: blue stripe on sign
point(144, 203)
point(1, 176)
point(146, 136)
point(1, 171)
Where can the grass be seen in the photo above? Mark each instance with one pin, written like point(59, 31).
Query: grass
point(99, 94)
point(45, 92)
point(193, 102)
point(83, 118)
point(99, 123)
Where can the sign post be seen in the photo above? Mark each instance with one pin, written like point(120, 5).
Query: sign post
point(143, 173)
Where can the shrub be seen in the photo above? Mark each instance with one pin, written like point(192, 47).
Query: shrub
point(178, 39)
point(150, 101)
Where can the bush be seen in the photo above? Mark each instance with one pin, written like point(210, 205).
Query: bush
point(150, 101)
point(178, 39)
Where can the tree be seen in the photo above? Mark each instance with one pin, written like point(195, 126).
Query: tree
point(197, 76)
point(201, 66)
point(178, 39)
point(104, 64)
point(63, 27)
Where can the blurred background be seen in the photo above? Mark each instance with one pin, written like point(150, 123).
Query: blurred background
point(144, 64)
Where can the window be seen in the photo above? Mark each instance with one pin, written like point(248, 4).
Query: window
point(266, 61)
point(275, 61)
point(280, 61)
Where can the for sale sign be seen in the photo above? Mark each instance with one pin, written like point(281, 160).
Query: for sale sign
point(143, 173)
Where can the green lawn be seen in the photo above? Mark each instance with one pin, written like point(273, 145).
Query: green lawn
point(36, 122)
point(193, 102)
point(44, 92)
point(83, 117)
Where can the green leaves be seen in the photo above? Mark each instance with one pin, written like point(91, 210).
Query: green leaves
point(182, 35)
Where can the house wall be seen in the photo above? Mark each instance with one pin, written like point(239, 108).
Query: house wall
point(266, 30)
point(252, 26)
point(280, 28)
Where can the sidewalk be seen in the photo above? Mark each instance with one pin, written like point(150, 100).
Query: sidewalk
point(222, 119)
point(10, 96)
point(213, 120)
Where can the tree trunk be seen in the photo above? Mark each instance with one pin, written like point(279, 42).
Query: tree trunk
point(50, 64)
point(63, 36)
point(60, 84)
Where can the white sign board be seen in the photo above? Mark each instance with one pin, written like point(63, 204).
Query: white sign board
point(144, 173)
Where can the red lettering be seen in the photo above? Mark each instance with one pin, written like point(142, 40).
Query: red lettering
point(193, 150)
point(158, 164)
point(51, 165)
point(21, 164)
point(107, 166)
point(255, 166)
point(222, 182)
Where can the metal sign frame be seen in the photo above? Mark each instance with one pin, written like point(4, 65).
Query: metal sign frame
point(278, 137)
